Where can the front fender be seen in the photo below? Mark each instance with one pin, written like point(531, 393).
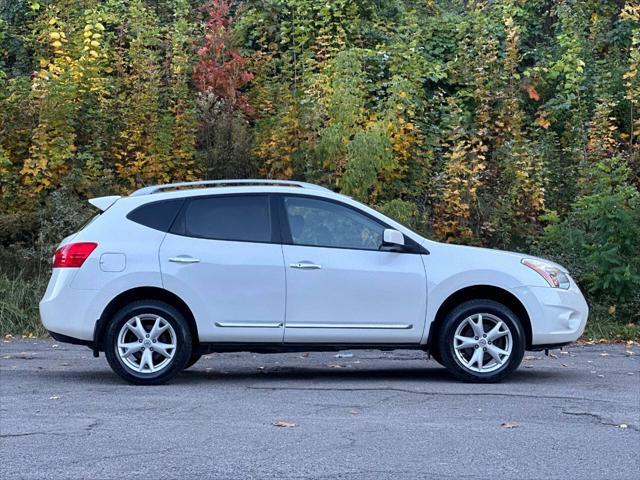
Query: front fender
point(440, 288)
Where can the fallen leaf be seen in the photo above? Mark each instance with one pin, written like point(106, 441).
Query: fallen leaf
point(283, 424)
point(553, 355)
point(509, 425)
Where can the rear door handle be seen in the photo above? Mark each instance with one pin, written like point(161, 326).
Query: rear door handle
point(306, 266)
point(184, 259)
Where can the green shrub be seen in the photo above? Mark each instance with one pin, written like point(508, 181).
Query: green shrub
point(599, 240)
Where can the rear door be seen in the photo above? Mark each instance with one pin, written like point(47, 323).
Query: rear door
point(223, 257)
point(341, 287)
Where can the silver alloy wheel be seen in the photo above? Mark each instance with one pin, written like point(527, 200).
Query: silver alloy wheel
point(482, 343)
point(146, 343)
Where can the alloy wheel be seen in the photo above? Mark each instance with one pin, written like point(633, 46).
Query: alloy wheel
point(146, 343)
point(482, 343)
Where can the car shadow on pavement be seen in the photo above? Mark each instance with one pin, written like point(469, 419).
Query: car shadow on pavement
point(302, 375)
point(320, 374)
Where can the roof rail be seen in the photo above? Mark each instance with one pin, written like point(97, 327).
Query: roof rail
point(239, 182)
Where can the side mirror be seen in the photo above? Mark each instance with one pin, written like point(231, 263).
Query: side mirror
point(392, 238)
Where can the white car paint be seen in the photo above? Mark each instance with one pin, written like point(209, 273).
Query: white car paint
point(247, 292)
point(236, 292)
point(357, 296)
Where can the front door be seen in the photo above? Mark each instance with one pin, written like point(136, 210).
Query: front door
point(341, 287)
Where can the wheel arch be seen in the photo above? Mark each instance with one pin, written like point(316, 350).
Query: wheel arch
point(476, 292)
point(142, 293)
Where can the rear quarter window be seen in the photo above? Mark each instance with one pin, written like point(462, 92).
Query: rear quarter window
point(157, 215)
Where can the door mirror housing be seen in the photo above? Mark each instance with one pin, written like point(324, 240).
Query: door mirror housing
point(392, 238)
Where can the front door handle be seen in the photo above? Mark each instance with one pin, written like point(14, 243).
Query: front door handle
point(184, 259)
point(306, 266)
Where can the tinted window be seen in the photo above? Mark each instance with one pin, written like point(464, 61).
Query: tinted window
point(158, 215)
point(327, 224)
point(243, 218)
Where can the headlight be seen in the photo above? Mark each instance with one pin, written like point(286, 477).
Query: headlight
point(555, 277)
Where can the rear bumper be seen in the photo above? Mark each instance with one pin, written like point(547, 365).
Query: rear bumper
point(74, 341)
point(558, 316)
point(69, 312)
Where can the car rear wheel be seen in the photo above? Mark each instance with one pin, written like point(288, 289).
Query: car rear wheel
point(481, 341)
point(148, 342)
point(193, 360)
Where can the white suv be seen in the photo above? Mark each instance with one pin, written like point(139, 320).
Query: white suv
point(175, 271)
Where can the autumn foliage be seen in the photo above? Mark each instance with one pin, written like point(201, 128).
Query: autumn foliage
point(221, 69)
point(512, 124)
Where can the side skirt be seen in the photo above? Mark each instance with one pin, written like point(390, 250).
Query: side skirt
point(221, 347)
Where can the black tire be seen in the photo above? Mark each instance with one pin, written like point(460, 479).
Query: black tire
point(193, 360)
point(445, 341)
point(436, 355)
point(183, 343)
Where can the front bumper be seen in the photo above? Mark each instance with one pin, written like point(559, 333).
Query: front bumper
point(557, 316)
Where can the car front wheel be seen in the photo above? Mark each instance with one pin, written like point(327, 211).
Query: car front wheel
point(148, 342)
point(481, 341)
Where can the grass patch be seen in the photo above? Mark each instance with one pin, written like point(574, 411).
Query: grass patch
point(607, 328)
point(19, 298)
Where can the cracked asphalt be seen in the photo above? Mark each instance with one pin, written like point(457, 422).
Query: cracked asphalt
point(65, 415)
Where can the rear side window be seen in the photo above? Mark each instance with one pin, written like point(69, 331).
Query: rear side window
point(157, 215)
point(237, 218)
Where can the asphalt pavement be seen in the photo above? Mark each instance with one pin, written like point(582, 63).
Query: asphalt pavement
point(357, 415)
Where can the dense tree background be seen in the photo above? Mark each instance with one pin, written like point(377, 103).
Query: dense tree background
point(508, 123)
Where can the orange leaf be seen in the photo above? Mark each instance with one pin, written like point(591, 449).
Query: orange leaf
point(533, 93)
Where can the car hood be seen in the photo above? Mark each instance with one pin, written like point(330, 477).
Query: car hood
point(488, 254)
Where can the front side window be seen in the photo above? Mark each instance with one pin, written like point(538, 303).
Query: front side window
point(321, 223)
point(239, 218)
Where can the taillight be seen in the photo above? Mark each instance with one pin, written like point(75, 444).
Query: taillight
point(73, 255)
